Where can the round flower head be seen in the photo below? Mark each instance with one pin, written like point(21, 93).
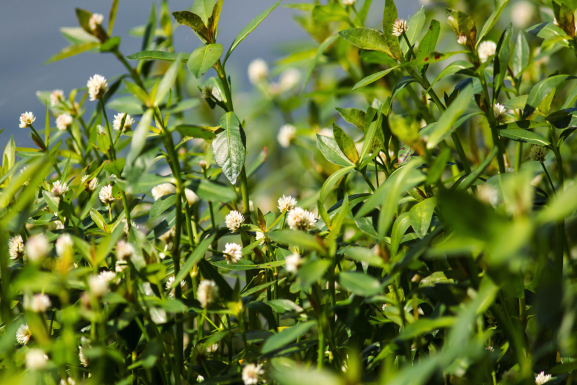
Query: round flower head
point(97, 86)
point(59, 188)
point(486, 50)
point(191, 196)
point(64, 246)
point(203, 164)
point(56, 97)
point(260, 237)
point(56, 225)
point(200, 378)
point(169, 287)
point(293, 262)
point(37, 248)
point(124, 250)
point(26, 119)
point(63, 121)
point(35, 359)
point(128, 122)
point(257, 71)
point(462, 39)
point(207, 292)
point(95, 20)
point(542, 378)
point(522, 13)
point(300, 219)
point(234, 220)
point(68, 381)
point(500, 113)
point(251, 374)
point(538, 153)
point(289, 79)
point(91, 185)
point(16, 247)
point(232, 253)
point(23, 334)
point(286, 135)
point(105, 195)
point(126, 228)
point(38, 303)
point(399, 27)
point(286, 203)
point(168, 236)
point(348, 2)
point(212, 348)
point(97, 285)
point(83, 359)
point(162, 190)
point(107, 276)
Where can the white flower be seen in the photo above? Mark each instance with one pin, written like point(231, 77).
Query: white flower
point(202, 164)
point(348, 2)
point(38, 303)
point(286, 203)
point(542, 378)
point(168, 236)
point(107, 276)
point(56, 225)
point(399, 27)
point(538, 153)
point(251, 373)
point(124, 250)
point(486, 50)
point(120, 266)
point(191, 196)
point(97, 86)
point(232, 253)
point(500, 113)
point(300, 219)
point(128, 122)
point(56, 97)
point(23, 334)
point(522, 14)
point(35, 359)
point(16, 247)
point(286, 135)
point(105, 195)
point(91, 185)
point(234, 220)
point(462, 39)
point(293, 262)
point(97, 286)
point(63, 121)
point(169, 287)
point(212, 348)
point(37, 247)
point(64, 245)
point(26, 119)
point(95, 20)
point(126, 228)
point(288, 79)
point(207, 292)
point(162, 190)
point(68, 381)
point(83, 360)
point(260, 236)
point(257, 71)
point(200, 378)
point(59, 188)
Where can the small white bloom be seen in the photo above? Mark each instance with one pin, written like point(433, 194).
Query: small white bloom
point(542, 378)
point(37, 303)
point(23, 334)
point(83, 359)
point(97, 86)
point(232, 253)
point(462, 39)
point(95, 20)
point(260, 236)
point(35, 359)
point(162, 190)
point(399, 27)
point(522, 14)
point(200, 378)
point(538, 153)
point(486, 50)
point(288, 79)
point(59, 188)
point(68, 381)
point(251, 374)
point(212, 348)
point(234, 220)
point(107, 276)
point(191, 196)
point(124, 250)
point(500, 113)
point(97, 286)
point(120, 266)
point(293, 262)
point(128, 122)
point(26, 119)
point(168, 236)
point(202, 164)
point(16, 247)
point(286, 203)
point(56, 97)
point(56, 225)
point(300, 219)
point(257, 71)
point(126, 228)
point(37, 248)
point(169, 287)
point(348, 2)
point(92, 185)
point(64, 246)
point(105, 195)
point(63, 121)
point(207, 292)
point(286, 135)
point(327, 132)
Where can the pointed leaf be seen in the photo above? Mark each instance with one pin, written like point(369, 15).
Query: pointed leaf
point(228, 147)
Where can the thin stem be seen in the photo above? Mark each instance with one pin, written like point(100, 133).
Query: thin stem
point(518, 156)
point(132, 71)
point(366, 178)
point(112, 154)
point(548, 177)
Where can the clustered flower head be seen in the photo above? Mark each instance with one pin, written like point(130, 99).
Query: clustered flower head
point(16, 247)
point(35, 359)
point(169, 235)
point(128, 122)
point(169, 287)
point(107, 276)
point(97, 285)
point(59, 188)
point(251, 374)
point(400, 26)
point(286, 135)
point(37, 248)
point(124, 250)
point(348, 2)
point(486, 50)
point(500, 112)
point(23, 334)
point(97, 86)
point(162, 190)
point(38, 303)
point(293, 262)
point(56, 225)
point(300, 219)
point(64, 245)
point(538, 153)
point(257, 71)
point(212, 348)
point(83, 359)
point(191, 196)
point(542, 378)
point(462, 39)
point(288, 79)
point(234, 220)
point(260, 237)
point(207, 292)
point(26, 119)
point(232, 253)
point(95, 20)
point(286, 203)
point(63, 121)
point(56, 97)
point(91, 185)
point(105, 195)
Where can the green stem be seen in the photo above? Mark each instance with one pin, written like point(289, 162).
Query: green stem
point(548, 177)
point(493, 125)
point(518, 156)
point(132, 71)
point(112, 154)
point(366, 178)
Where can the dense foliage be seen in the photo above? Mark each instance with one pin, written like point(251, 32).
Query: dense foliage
point(428, 238)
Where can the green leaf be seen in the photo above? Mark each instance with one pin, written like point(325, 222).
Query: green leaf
point(373, 78)
point(362, 254)
point(468, 181)
point(297, 238)
point(389, 17)
point(196, 131)
point(203, 8)
point(112, 16)
point(150, 29)
point(213, 192)
point(524, 136)
point(228, 147)
point(98, 219)
point(400, 226)
point(346, 144)
point(72, 50)
point(541, 90)
point(490, 22)
point(365, 224)
point(366, 38)
point(312, 271)
point(331, 151)
point(421, 215)
point(371, 134)
point(520, 58)
point(428, 43)
point(330, 12)
point(331, 180)
point(167, 81)
point(193, 259)
point(359, 283)
point(203, 58)
point(425, 325)
point(158, 55)
point(328, 41)
point(453, 68)
point(139, 137)
point(304, 375)
point(501, 63)
point(353, 116)
point(193, 21)
point(286, 336)
point(462, 24)
point(561, 206)
point(161, 205)
point(415, 24)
